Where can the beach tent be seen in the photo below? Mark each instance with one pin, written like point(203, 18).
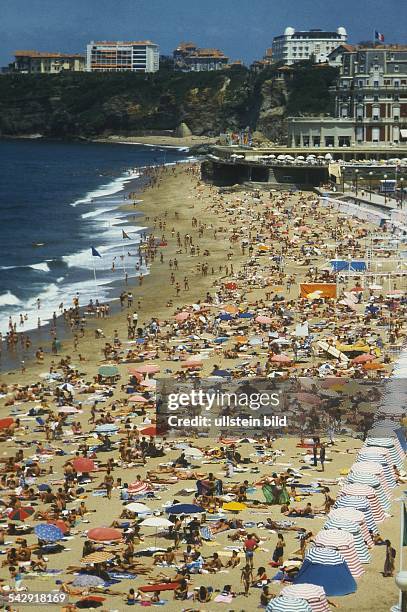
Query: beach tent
point(355, 477)
point(393, 426)
point(327, 568)
point(370, 494)
point(381, 456)
point(359, 503)
point(312, 593)
point(343, 542)
point(374, 468)
point(348, 265)
point(387, 434)
point(355, 516)
point(353, 528)
point(388, 444)
point(288, 604)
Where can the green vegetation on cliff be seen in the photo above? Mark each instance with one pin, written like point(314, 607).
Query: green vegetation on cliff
point(87, 105)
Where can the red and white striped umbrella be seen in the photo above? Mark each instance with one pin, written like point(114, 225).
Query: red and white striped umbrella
point(354, 529)
point(343, 542)
point(372, 467)
point(385, 432)
point(312, 593)
point(138, 487)
point(356, 516)
point(371, 496)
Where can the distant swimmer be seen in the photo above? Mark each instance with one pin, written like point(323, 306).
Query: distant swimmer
point(38, 244)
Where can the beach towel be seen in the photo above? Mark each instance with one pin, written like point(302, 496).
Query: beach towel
point(164, 586)
point(223, 598)
point(206, 533)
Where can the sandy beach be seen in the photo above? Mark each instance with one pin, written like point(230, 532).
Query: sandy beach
point(213, 253)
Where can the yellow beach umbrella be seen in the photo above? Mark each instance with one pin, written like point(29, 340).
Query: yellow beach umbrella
point(234, 506)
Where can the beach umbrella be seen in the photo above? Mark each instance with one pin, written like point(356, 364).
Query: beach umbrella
point(225, 316)
point(245, 315)
point(343, 542)
point(221, 339)
point(20, 514)
point(389, 445)
point(364, 358)
point(147, 368)
point(138, 487)
point(195, 453)
point(192, 364)
point(312, 593)
point(104, 534)
point(108, 371)
point(327, 568)
point(281, 358)
point(149, 431)
point(88, 580)
point(6, 422)
point(370, 494)
point(231, 286)
point(44, 487)
point(234, 506)
point(355, 516)
point(288, 604)
point(60, 524)
point(106, 428)
point(230, 309)
point(184, 509)
point(100, 556)
point(138, 399)
point(48, 533)
point(359, 503)
point(263, 319)
point(182, 316)
point(354, 529)
point(138, 508)
point(83, 465)
point(373, 468)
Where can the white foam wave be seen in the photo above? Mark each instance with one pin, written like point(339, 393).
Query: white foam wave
point(9, 299)
point(43, 266)
point(108, 189)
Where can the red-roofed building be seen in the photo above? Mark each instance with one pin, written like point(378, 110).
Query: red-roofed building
point(190, 58)
point(39, 62)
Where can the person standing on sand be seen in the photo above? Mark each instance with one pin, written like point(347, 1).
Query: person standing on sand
point(246, 578)
point(322, 455)
point(388, 569)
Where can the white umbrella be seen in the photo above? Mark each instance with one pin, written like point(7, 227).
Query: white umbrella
point(193, 452)
point(156, 521)
point(138, 508)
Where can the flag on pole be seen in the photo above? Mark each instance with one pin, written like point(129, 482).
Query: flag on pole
point(124, 235)
point(95, 253)
point(404, 525)
point(379, 36)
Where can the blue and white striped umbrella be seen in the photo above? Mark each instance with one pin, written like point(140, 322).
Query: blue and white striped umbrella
point(354, 529)
point(288, 604)
point(375, 455)
point(312, 593)
point(371, 481)
point(360, 503)
point(325, 556)
point(376, 470)
point(387, 434)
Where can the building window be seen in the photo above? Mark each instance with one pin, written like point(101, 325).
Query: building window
point(396, 67)
point(375, 83)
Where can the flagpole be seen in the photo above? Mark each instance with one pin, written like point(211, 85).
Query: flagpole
point(94, 276)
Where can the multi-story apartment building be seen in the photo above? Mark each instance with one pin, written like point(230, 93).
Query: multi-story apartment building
point(37, 62)
point(117, 56)
point(297, 45)
point(370, 99)
point(189, 58)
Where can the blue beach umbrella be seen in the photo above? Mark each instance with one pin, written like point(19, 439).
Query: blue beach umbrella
point(221, 339)
point(48, 532)
point(44, 487)
point(245, 315)
point(225, 317)
point(184, 509)
point(223, 373)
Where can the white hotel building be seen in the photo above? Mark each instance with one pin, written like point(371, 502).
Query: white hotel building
point(117, 56)
point(296, 46)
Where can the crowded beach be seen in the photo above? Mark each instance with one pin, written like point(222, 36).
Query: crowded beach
point(103, 506)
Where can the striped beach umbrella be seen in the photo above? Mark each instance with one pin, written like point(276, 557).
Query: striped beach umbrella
point(282, 603)
point(396, 427)
point(343, 542)
point(354, 529)
point(370, 494)
point(100, 556)
point(359, 503)
point(138, 487)
point(374, 468)
point(288, 604)
point(20, 514)
point(326, 567)
point(355, 477)
point(355, 516)
point(382, 456)
point(388, 444)
point(312, 593)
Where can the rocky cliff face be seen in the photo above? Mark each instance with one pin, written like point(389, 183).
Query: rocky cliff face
point(88, 105)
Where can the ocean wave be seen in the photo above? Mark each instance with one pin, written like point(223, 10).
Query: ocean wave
point(43, 266)
point(9, 299)
point(108, 189)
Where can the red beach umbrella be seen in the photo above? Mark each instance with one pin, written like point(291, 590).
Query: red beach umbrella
point(104, 534)
point(60, 524)
point(231, 286)
point(20, 514)
point(83, 465)
point(5, 423)
point(365, 358)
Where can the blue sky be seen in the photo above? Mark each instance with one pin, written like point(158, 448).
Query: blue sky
point(241, 28)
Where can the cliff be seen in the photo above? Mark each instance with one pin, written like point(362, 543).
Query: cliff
point(87, 105)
